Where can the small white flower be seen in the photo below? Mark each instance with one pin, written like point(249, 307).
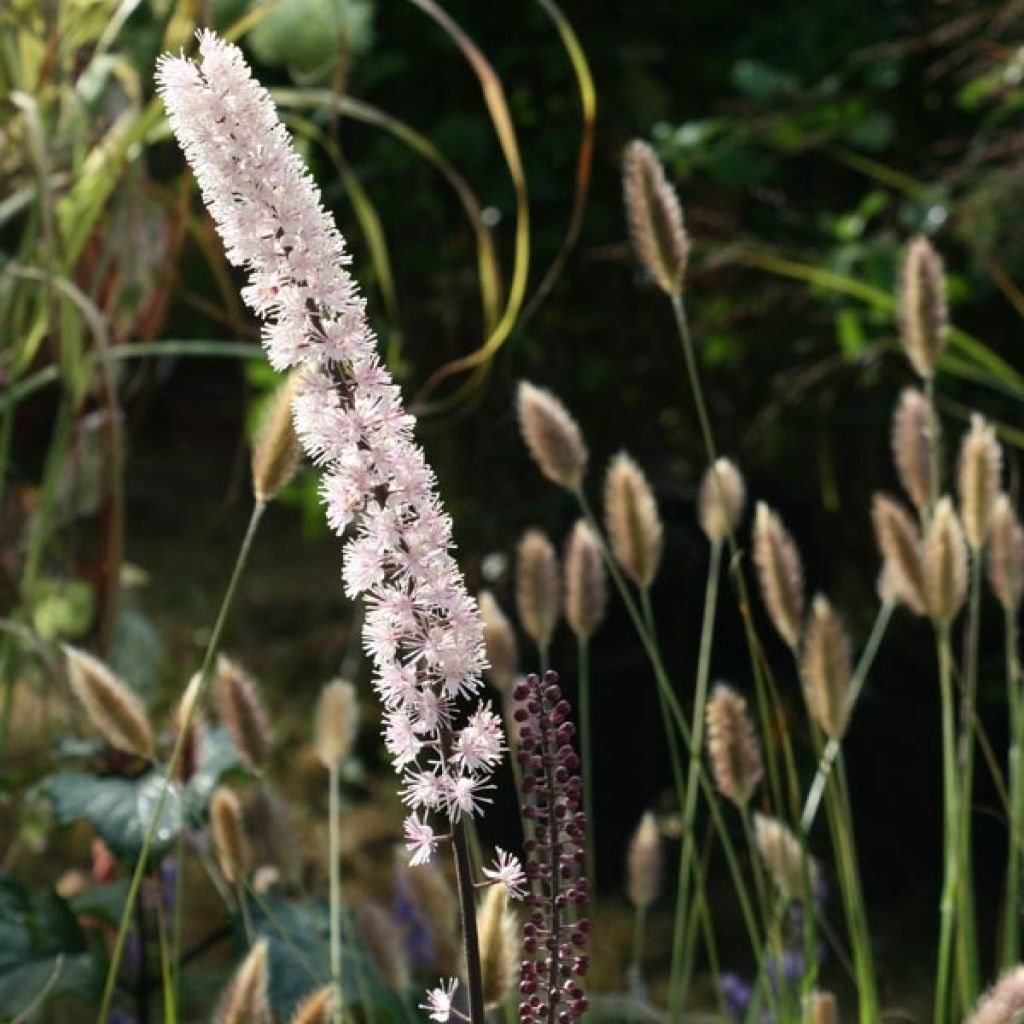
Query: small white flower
point(478, 745)
point(439, 1000)
point(509, 872)
point(462, 795)
point(420, 840)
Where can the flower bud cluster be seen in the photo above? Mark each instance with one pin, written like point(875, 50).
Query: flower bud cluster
point(556, 931)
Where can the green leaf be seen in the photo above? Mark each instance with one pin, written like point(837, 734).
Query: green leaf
point(119, 809)
point(850, 333)
point(63, 609)
point(105, 902)
point(137, 652)
point(218, 757)
point(42, 949)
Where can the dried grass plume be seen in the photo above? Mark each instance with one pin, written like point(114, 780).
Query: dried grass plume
point(499, 946)
point(242, 712)
point(826, 669)
point(780, 573)
point(227, 829)
point(115, 711)
point(655, 218)
point(538, 591)
point(912, 429)
point(1006, 556)
point(783, 856)
point(553, 437)
point(586, 590)
point(245, 999)
point(720, 499)
point(923, 316)
point(633, 522)
point(981, 461)
point(945, 564)
point(1004, 1002)
point(276, 451)
point(736, 763)
point(821, 1008)
point(499, 643)
point(336, 722)
point(644, 863)
point(899, 541)
point(315, 1008)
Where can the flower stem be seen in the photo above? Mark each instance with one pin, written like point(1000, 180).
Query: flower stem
point(334, 869)
point(1015, 770)
point(205, 672)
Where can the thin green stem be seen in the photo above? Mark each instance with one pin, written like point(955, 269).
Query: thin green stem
point(334, 871)
point(639, 934)
point(178, 911)
point(934, 447)
point(140, 865)
point(586, 741)
point(1015, 813)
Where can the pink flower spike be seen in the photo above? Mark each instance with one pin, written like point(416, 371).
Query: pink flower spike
point(508, 872)
point(439, 1001)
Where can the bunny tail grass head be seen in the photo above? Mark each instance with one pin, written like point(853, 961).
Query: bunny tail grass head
point(276, 451)
point(499, 946)
point(499, 643)
point(381, 939)
point(634, 525)
point(116, 712)
point(553, 437)
point(227, 828)
point(780, 573)
point(821, 1008)
point(912, 430)
point(981, 461)
point(241, 711)
point(783, 856)
point(1004, 1002)
point(826, 669)
point(655, 218)
point(336, 722)
point(720, 500)
point(538, 592)
point(923, 307)
point(644, 863)
point(899, 541)
point(586, 591)
point(245, 999)
point(945, 564)
point(1006, 555)
point(315, 1008)
point(192, 746)
point(736, 762)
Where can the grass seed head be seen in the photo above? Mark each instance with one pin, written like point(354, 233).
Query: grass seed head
point(633, 522)
point(586, 591)
point(115, 711)
point(315, 1008)
point(720, 499)
point(1006, 556)
point(655, 218)
point(499, 946)
point(227, 828)
point(242, 712)
point(276, 451)
point(780, 573)
point(912, 430)
point(981, 461)
point(552, 436)
point(899, 541)
point(922, 300)
point(644, 863)
point(826, 669)
point(783, 856)
point(336, 722)
point(735, 754)
point(821, 1008)
point(499, 643)
point(245, 999)
point(945, 564)
point(538, 591)
point(1004, 1002)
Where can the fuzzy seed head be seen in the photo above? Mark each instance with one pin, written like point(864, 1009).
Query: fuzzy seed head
point(826, 669)
point(821, 1008)
point(912, 430)
point(899, 541)
point(981, 461)
point(115, 711)
point(634, 525)
point(538, 592)
point(1004, 1002)
point(644, 863)
point(720, 500)
point(736, 762)
point(276, 450)
point(499, 946)
point(241, 711)
point(315, 1008)
point(586, 591)
point(499, 643)
point(227, 829)
point(923, 307)
point(336, 722)
point(655, 218)
point(1006, 555)
point(191, 750)
point(245, 999)
point(780, 573)
point(552, 436)
point(945, 564)
point(783, 856)
point(381, 939)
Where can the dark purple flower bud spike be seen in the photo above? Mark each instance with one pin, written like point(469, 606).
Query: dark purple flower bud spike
point(556, 931)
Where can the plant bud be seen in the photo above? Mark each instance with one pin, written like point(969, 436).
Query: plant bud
point(981, 459)
point(276, 450)
point(902, 551)
point(537, 587)
point(945, 564)
point(821, 1008)
point(336, 723)
point(227, 829)
point(826, 669)
point(783, 856)
point(644, 863)
point(912, 429)
point(241, 711)
point(736, 763)
point(1006, 556)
